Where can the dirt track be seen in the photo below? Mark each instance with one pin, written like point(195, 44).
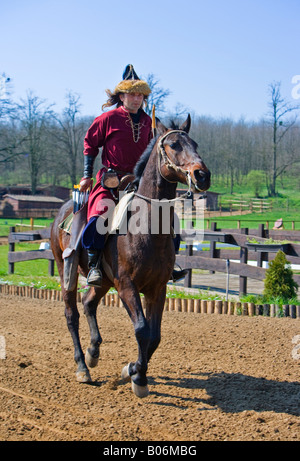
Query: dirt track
point(213, 377)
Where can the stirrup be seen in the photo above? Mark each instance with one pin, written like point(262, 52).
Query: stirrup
point(94, 277)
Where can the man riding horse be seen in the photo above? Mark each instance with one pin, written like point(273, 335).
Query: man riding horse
point(123, 133)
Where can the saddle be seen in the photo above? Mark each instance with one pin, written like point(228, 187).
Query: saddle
point(75, 223)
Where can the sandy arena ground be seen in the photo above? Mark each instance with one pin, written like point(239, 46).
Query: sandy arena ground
point(213, 377)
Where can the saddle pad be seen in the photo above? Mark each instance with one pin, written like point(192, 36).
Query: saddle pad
point(120, 212)
point(118, 217)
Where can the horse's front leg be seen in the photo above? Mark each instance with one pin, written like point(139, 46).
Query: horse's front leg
point(137, 371)
point(154, 312)
point(72, 317)
point(90, 301)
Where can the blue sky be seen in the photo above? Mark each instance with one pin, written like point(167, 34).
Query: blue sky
point(216, 57)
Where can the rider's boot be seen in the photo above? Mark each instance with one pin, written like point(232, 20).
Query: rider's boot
point(94, 277)
point(178, 275)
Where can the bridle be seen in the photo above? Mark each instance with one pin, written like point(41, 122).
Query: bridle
point(169, 164)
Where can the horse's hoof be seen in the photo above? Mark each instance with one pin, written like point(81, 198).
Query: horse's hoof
point(140, 391)
point(125, 374)
point(91, 361)
point(83, 376)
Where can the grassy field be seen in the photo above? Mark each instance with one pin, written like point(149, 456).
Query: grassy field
point(21, 224)
point(32, 273)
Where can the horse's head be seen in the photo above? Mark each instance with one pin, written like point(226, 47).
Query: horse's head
point(179, 160)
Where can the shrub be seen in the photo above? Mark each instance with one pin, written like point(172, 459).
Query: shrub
point(279, 280)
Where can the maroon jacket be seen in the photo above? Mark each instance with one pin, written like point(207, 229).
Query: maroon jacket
point(113, 131)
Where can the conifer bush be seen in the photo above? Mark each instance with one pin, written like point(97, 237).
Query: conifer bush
point(279, 280)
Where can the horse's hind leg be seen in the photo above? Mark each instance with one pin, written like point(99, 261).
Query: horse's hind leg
point(90, 301)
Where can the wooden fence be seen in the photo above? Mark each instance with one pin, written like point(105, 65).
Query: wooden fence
point(190, 305)
point(228, 260)
point(250, 205)
point(28, 236)
point(235, 260)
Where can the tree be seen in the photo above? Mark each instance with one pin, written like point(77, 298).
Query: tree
point(279, 282)
point(256, 180)
point(34, 116)
point(69, 136)
point(279, 110)
point(157, 96)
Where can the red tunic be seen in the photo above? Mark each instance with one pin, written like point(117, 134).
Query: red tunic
point(113, 131)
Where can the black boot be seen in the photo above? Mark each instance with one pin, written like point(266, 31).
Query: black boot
point(94, 277)
point(178, 275)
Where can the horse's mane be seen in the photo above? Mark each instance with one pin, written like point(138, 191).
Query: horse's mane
point(143, 160)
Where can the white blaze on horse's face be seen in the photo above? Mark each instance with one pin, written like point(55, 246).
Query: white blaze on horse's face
point(182, 160)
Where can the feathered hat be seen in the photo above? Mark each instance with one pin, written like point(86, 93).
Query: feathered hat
point(131, 83)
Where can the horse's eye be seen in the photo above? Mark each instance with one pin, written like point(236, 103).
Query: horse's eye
point(175, 145)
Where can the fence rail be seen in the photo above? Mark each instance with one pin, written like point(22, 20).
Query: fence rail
point(30, 255)
point(235, 260)
point(232, 260)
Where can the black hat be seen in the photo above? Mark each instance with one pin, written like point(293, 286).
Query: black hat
point(131, 83)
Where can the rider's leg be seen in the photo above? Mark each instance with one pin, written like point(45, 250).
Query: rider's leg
point(94, 244)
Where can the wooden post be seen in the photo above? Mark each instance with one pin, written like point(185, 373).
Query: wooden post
point(286, 310)
point(203, 306)
point(190, 305)
point(11, 247)
point(210, 307)
point(178, 304)
point(212, 250)
point(272, 310)
point(197, 304)
point(261, 256)
point(293, 311)
point(188, 277)
point(51, 267)
point(218, 307)
point(244, 260)
point(266, 310)
point(251, 309)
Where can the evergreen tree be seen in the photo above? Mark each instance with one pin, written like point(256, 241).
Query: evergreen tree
point(279, 280)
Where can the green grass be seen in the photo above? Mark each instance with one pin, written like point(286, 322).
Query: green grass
point(5, 224)
point(253, 220)
point(31, 273)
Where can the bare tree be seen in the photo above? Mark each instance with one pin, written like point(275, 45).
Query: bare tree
point(70, 135)
point(34, 115)
point(281, 124)
point(157, 96)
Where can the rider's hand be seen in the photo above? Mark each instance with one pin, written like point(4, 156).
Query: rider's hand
point(85, 184)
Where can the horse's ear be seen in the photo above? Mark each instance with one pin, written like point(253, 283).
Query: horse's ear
point(160, 127)
point(186, 125)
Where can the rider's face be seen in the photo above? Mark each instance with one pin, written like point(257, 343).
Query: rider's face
point(132, 101)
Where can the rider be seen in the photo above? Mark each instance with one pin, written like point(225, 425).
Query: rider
point(123, 133)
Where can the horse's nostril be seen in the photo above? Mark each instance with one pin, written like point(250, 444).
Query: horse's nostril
point(200, 175)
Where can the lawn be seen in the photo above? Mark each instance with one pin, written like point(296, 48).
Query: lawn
point(33, 273)
point(21, 224)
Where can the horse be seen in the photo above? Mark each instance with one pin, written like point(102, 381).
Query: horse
point(139, 262)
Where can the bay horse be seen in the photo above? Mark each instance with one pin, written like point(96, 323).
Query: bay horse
point(139, 262)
